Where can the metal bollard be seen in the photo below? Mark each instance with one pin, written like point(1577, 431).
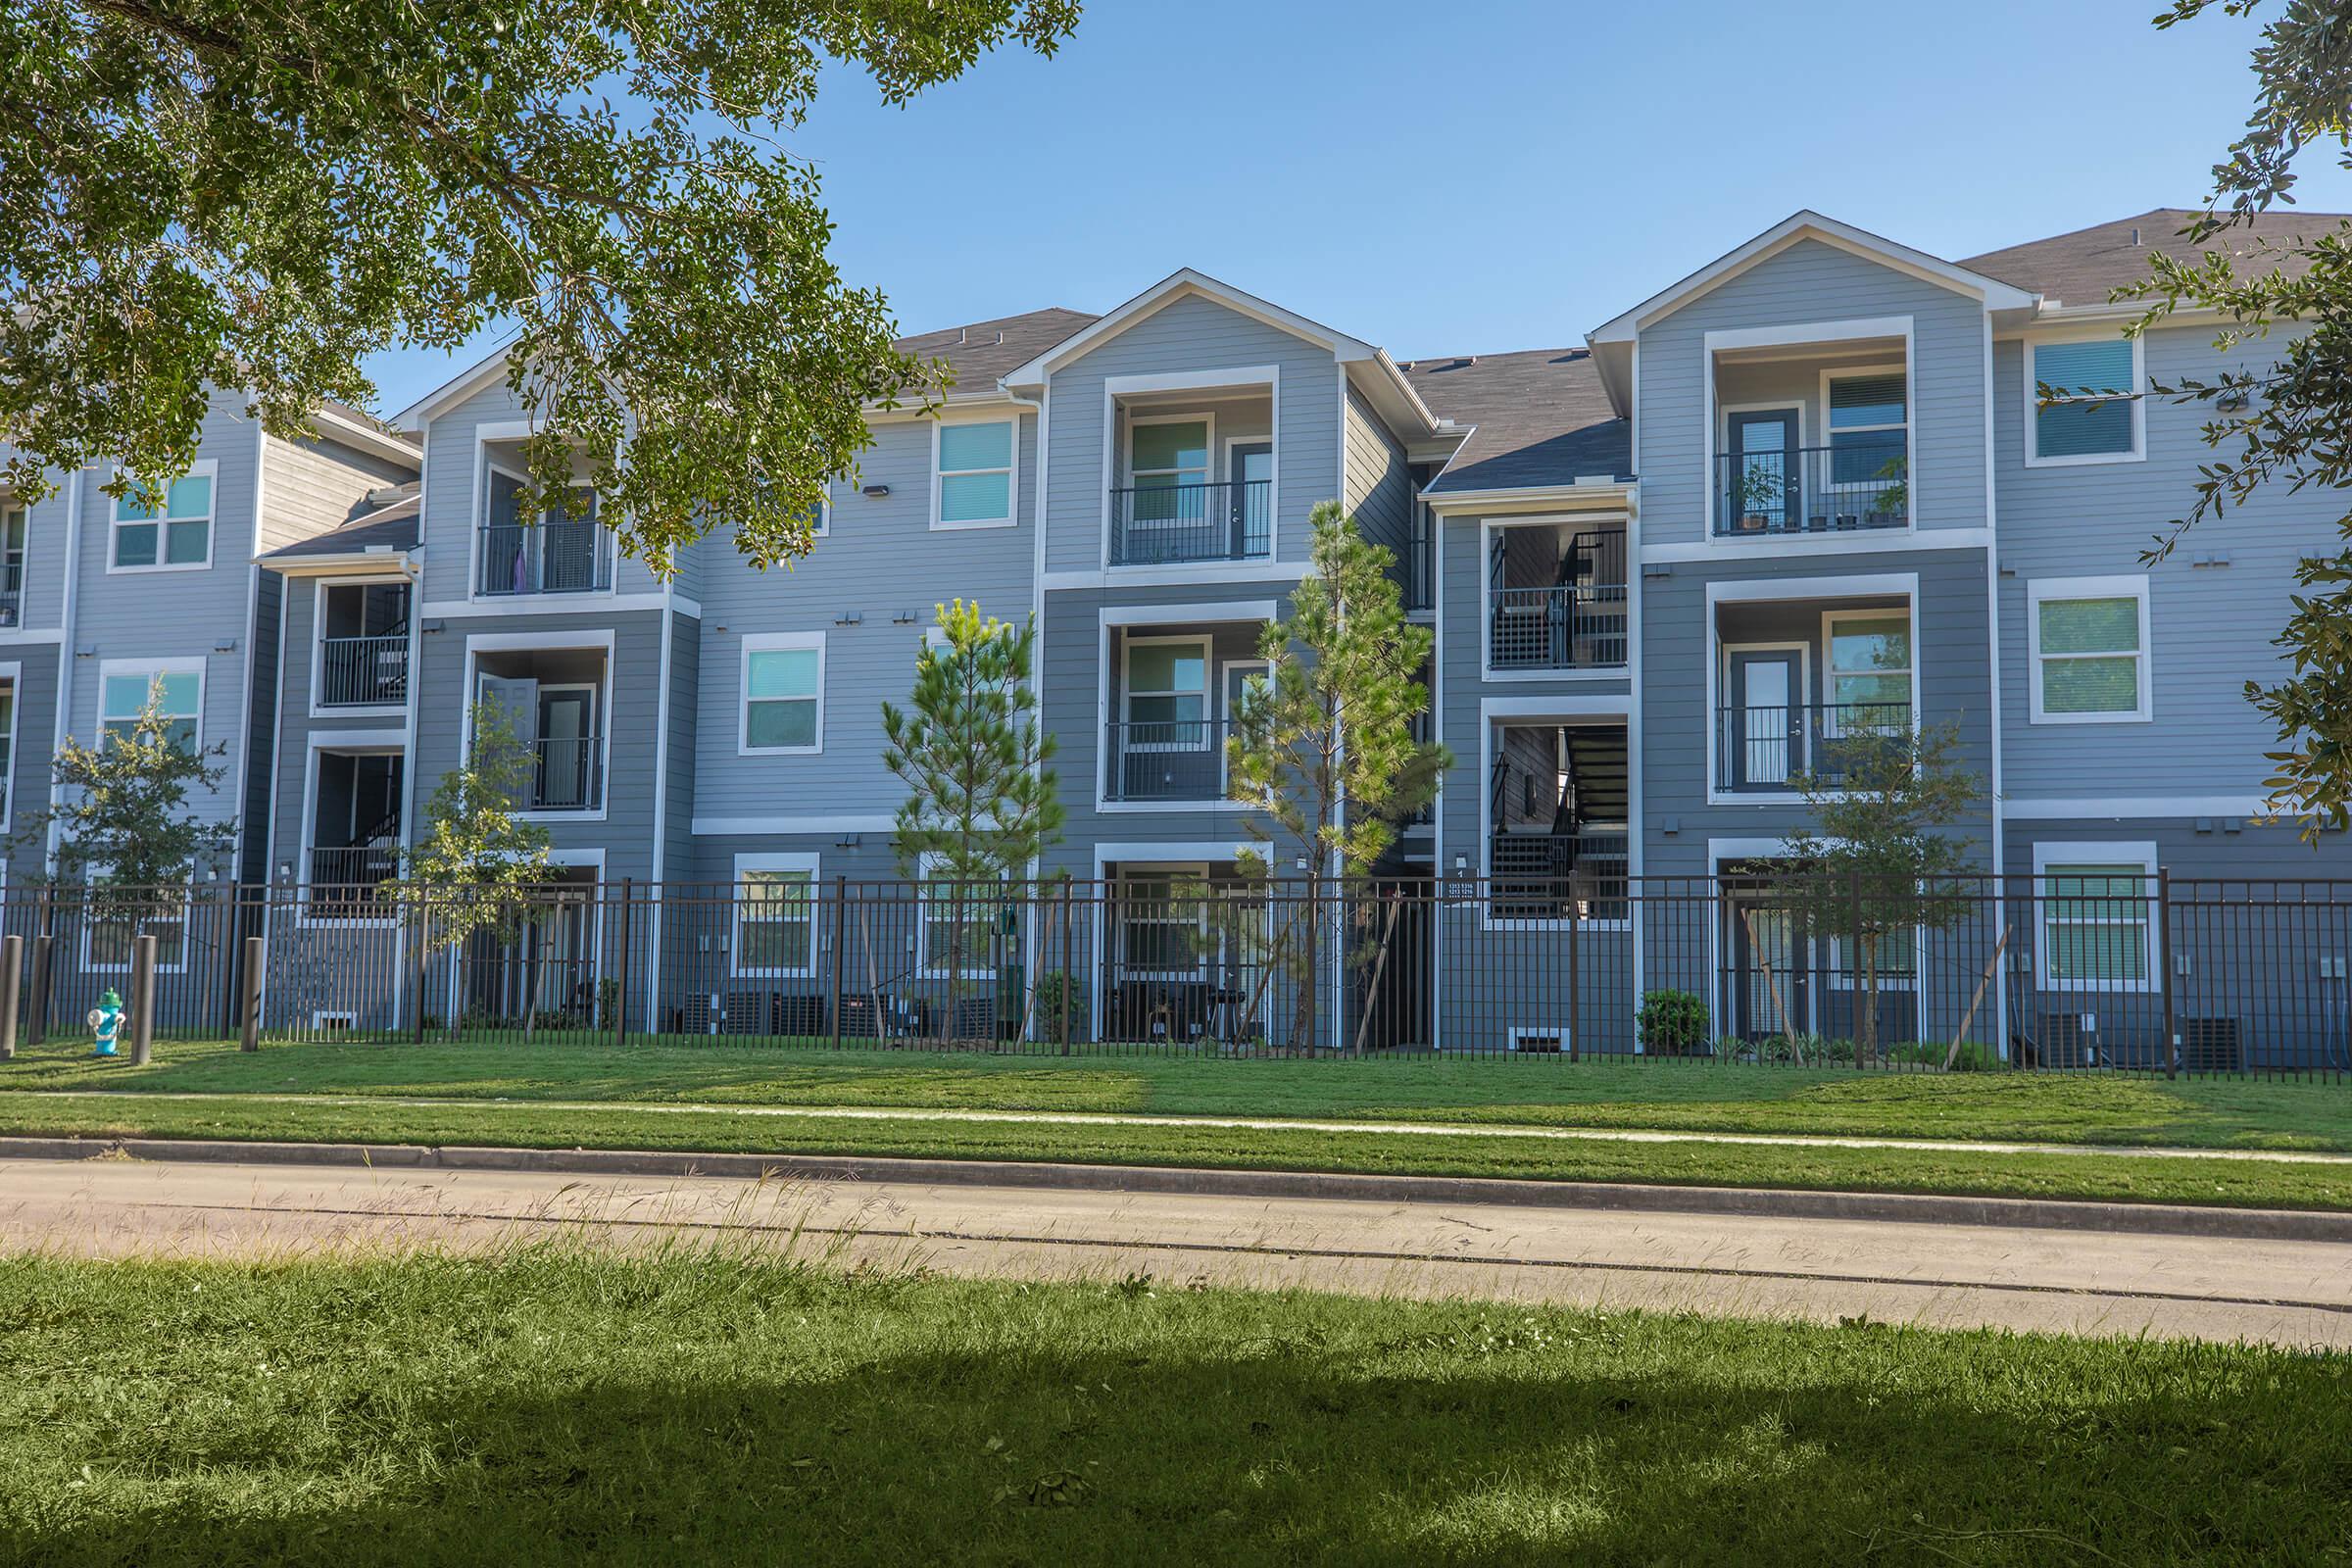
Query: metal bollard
point(142, 1001)
point(12, 968)
point(255, 955)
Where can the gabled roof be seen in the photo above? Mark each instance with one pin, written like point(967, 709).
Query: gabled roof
point(980, 352)
point(1184, 283)
point(1541, 415)
point(1997, 294)
point(2088, 265)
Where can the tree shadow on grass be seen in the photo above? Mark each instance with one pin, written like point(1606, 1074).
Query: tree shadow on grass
point(1482, 1436)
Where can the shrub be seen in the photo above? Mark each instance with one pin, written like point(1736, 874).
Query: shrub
point(1671, 1023)
point(1046, 1006)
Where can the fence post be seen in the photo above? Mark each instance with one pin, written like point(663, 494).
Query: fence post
point(37, 1025)
point(142, 999)
point(2164, 956)
point(1576, 1030)
point(621, 1001)
point(1069, 970)
point(12, 965)
point(249, 1012)
point(841, 932)
point(424, 912)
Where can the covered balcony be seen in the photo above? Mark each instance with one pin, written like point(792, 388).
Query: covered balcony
point(1557, 812)
point(1811, 441)
point(1192, 478)
point(1556, 596)
point(559, 548)
point(355, 831)
point(1175, 690)
point(1807, 686)
point(364, 645)
point(554, 702)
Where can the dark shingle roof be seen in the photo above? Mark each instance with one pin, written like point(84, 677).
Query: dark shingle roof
point(1541, 418)
point(2086, 267)
point(982, 351)
point(387, 528)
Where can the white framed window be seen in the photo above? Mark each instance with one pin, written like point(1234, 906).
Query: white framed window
point(1162, 932)
point(2086, 428)
point(1168, 472)
point(974, 468)
point(2088, 638)
point(1165, 694)
point(979, 906)
point(1550, 1040)
point(2096, 904)
point(776, 915)
point(165, 530)
point(1870, 669)
point(1897, 961)
point(783, 710)
point(110, 935)
point(1868, 410)
point(125, 685)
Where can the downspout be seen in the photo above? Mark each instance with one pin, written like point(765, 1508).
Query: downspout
point(1037, 655)
point(68, 605)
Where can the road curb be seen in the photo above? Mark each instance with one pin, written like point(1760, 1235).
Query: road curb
point(2154, 1219)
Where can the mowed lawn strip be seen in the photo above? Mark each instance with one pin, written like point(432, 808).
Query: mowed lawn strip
point(1667, 1096)
point(2114, 1177)
point(704, 1405)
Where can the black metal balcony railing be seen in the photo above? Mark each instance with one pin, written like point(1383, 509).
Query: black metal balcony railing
point(1169, 761)
point(568, 774)
point(363, 671)
point(344, 879)
point(546, 558)
point(1572, 627)
point(1558, 874)
point(1156, 524)
point(1768, 748)
point(1814, 489)
point(12, 593)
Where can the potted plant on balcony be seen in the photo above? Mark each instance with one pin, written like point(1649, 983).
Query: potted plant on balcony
point(1758, 494)
point(1892, 504)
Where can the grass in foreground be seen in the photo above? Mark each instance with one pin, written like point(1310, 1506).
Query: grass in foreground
point(2032, 1107)
point(705, 1407)
point(2117, 1177)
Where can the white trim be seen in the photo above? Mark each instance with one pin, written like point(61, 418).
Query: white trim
point(208, 469)
point(2129, 585)
point(774, 642)
point(1828, 662)
point(1801, 333)
point(1013, 472)
point(595, 604)
point(1231, 610)
point(12, 675)
point(607, 544)
point(1861, 541)
point(1126, 452)
point(195, 665)
point(458, 387)
point(1909, 427)
point(2092, 851)
point(1902, 585)
point(1125, 578)
point(600, 640)
point(2138, 403)
point(1802, 226)
point(1488, 529)
point(771, 862)
point(1208, 675)
point(2120, 808)
point(1614, 493)
point(1219, 378)
point(343, 743)
point(1563, 1034)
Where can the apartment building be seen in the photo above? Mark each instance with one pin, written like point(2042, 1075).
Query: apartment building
point(1803, 493)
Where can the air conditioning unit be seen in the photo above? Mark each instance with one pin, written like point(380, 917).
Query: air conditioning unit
point(747, 1012)
point(2210, 1044)
point(2060, 1039)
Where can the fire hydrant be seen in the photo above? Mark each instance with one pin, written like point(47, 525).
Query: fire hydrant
point(106, 1019)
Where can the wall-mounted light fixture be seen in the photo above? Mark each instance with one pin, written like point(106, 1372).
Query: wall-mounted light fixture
point(875, 492)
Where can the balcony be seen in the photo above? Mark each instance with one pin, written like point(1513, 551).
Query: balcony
point(363, 671)
point(1769, 748)
point(566, 774)
point(1182, 760)
point(1166, 524)
point(12, 590)
point(545, 557)
point(1813, 490)
point(1556, 596)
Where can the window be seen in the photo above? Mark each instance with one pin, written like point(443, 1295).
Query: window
point(1163, 934)
point(2090, 638)
point(1897, 961)
point(123, 693)
point(172, 528)
point(1867, 413)
point(1167, 693)
point(980, 908)
point(8, 740)
point(2087, 429)
point(975, 475)
point(775, 915)
point(1869, 670)
point(1164, 457)
point(119, 916)
point(2099, 915)
point(783, 693)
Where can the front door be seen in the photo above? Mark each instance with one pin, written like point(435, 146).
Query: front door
point(1764, 494)
point(1769, 994)
point(1766, 736)
point(567, 746)
point(1249, 465)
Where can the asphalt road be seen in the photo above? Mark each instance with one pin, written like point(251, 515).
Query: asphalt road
point(2085, 1281)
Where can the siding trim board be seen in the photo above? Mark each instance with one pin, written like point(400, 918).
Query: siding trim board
point(777, 826)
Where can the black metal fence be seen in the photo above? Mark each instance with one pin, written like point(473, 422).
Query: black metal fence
point(2091, 967)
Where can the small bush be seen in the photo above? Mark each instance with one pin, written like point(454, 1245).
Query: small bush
point(1673, 1023)
point(1046, 1006)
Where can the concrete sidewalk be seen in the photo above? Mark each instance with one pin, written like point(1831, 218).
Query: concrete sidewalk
point(2294, 1293)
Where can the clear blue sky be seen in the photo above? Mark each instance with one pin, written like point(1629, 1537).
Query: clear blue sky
point(1500, 173)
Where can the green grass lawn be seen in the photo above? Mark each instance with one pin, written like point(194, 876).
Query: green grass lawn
point(702, 1406)
point(1689, 1095)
